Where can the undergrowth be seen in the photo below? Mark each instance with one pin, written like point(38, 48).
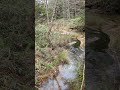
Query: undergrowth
point(48, 58)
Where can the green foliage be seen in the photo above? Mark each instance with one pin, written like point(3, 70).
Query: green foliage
point(78, 21)
point(62, 55)
point(48, 66)
point(76, 83)
point(55, 62)
point(41, 32)
point(40, 36)
point(16, 44)
point(40, 12)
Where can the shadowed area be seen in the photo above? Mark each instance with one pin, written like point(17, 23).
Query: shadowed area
point(100, 65)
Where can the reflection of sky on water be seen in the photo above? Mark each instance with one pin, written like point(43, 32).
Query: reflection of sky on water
point(66, 72)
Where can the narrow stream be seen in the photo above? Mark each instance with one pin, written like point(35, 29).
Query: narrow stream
point(67, 72)
point(100, 65)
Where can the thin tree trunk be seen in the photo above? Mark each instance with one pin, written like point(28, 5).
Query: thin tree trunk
point(68, 9)
point(59, 88)
point(46, 4)
point(50, 23)
point(54, 11)
point(83, 80)
point(75, 8)
point(63, 9)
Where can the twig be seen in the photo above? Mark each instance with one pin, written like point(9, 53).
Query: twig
point(59, 88)
point(50, 25)
point(83, 80)
point(37, 87)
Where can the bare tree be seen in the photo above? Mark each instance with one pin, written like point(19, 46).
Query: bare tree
point(68, 10)
point(50, 22)
point(46, 4)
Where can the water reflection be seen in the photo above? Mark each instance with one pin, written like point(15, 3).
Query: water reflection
point(67, 72)
point(100, 65)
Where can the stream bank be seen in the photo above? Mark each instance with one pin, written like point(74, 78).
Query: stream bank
point(62, 66)
point(67, 73)
point(101, 67)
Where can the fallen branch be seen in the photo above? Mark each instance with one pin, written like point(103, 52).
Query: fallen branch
point(59, 88)
point(83, 80)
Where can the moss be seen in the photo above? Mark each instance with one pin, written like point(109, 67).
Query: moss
point(77, 44)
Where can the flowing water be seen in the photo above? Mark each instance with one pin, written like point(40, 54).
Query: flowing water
point(100, 64)
point(67, 72)
point(100, 67)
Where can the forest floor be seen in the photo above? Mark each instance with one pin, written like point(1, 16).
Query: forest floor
point(48, 59)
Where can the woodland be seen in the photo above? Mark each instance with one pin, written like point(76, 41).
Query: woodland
point(59, 26)
point(76, 45)
point(51, 44)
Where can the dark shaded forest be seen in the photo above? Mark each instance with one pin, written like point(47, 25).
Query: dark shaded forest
point(17, 44)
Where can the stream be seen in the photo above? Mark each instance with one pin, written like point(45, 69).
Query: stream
point(67, 72)
point(101, 67)
point(101, 71)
